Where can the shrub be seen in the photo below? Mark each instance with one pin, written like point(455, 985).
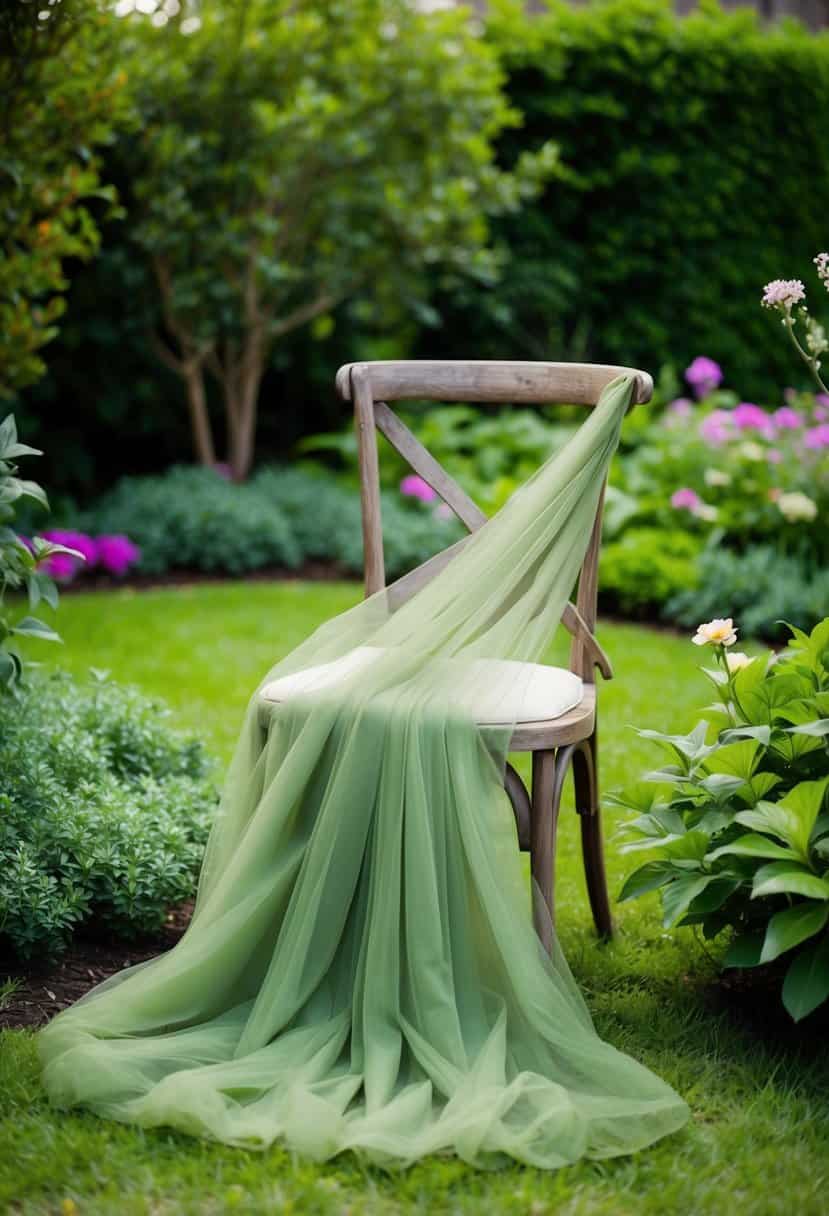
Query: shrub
point(193, 519)
point(763, 586)
point(104, 813)
point(641, 570)
point(738, 819)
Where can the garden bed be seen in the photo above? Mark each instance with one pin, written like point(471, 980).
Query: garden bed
point(42, 990)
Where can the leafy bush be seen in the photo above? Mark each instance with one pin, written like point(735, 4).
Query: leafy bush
point(193, 519)
point(190, 518)
point(642, 569)
point(763, 586)
point(103, 813)
point(738, 820)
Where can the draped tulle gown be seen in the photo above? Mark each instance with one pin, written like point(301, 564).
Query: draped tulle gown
point(361, 970)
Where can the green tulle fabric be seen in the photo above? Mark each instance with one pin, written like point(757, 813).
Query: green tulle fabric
point(361, 971)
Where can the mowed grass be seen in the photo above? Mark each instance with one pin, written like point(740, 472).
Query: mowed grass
point(758, 1142)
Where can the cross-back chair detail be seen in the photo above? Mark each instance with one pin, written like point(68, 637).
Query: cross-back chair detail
point(569, 740)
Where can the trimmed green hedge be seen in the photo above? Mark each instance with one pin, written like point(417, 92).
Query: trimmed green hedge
point(694, 170)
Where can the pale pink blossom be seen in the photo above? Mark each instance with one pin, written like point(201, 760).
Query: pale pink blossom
point(686, 500)
point(817, 437)
point(703, 375)
point(783, 293)
point(750, 417)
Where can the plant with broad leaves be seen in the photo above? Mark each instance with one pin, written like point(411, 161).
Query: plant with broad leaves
point(20, 563)
point(738, 819)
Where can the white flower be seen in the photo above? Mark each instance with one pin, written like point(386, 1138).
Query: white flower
point(737, 660)
point(717, 477)
point(752, 451)
point(796, 506)
point(706, 512)
point(716, 633)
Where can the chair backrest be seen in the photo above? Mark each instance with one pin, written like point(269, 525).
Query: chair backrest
point(370, 386)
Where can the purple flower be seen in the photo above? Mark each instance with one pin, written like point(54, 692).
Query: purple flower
point(61, 566)
point(716, 428)
point(817, 437)
point(703, 375)
point(685, 500)
point(415, 487)
point(774, 456)
point(116, 554)
point(681, 407)
point(787, 419)
point(750, 417)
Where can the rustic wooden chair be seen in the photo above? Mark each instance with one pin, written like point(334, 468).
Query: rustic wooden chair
point(556, 743)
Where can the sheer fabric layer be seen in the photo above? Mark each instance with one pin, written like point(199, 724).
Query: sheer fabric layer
point(361, 970)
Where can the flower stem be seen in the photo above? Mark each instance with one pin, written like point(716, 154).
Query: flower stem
point(788, 321)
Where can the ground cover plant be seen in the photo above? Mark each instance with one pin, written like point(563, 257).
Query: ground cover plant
point(757, 1087)
point(736, 824)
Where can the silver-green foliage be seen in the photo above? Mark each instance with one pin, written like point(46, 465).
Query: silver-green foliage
point(738, 818)
point(104, 812)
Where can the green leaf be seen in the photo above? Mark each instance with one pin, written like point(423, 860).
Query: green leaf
point(31, 627)
point(807, 981)
point(761, 733)
point(714, 895)
point(752, 845)
point(647, 878)
point(792, 926)
point(818, 728)
point(744, 951)
point(788, 878)
point(680, 893)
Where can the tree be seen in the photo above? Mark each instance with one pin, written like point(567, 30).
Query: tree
point(296, 153)
point(60, 95)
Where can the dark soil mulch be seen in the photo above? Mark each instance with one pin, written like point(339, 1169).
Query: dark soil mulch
point(46, 988)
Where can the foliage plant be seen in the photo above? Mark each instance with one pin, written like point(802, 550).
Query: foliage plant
point(23, 567)
point(294, 155)
point(60, 100)
point(736, 823)
point(104, 812)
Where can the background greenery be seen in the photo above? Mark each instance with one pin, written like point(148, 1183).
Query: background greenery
point(692, 169)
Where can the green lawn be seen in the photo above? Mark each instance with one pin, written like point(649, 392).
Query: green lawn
point(759, 1139)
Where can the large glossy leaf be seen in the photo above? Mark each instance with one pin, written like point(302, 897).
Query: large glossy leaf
point(792, 926)
point(753, 845)
point(789, 878)
point(807, 981)
point(745, 950)
point(678, 895)
point(647, 878)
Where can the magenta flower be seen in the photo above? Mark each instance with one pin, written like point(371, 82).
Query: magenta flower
point(62, 566)
point(415, 487)
point(817, 437)
point(787, 419)
point(703, 375)
point(116, 554)
point(750, 417)
point(686, 500)
point(716, 427)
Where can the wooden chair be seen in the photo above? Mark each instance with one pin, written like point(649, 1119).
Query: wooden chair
point(569, 740)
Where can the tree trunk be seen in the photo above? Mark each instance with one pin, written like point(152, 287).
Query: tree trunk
point(193, 374)
point(241, 399)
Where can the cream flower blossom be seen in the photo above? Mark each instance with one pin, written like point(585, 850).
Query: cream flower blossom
point(717, 477)
point(715, 633)
point(737, 660)
point(796, 507)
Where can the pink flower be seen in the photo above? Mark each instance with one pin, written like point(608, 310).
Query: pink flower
point(61, 566)
point(686, 500)
point(822, 263)
point(413, 486)
point(783, 293)
point(817, 437)
point(116, 554)
point(716, 427)
point(750, 417)
point(821, 408)
point(681, 407)
point(774, 456)
point(703, 375)
point(787, 419)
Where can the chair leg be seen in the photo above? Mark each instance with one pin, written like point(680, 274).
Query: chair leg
point(586, 781)
point(547, 781)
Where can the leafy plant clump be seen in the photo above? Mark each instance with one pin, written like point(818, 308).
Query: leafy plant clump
point(738, 820)
point(104, 812)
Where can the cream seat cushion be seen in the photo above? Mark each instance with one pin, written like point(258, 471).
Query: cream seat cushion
point(507, 692)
